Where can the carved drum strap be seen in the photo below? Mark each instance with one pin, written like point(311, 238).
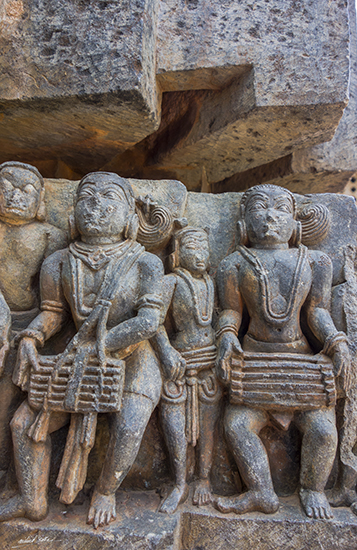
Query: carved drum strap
point(201, 386)
point(283, 381)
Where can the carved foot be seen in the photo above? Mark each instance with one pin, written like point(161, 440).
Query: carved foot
point(102, 510)
point(13, 508)
point(178, 495)
point(315, 504)
point(341, 496)
point(252, 501)
point(202, 495)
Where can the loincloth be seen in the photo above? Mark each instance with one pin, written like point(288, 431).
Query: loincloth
point(283, 381)
point(198, 385)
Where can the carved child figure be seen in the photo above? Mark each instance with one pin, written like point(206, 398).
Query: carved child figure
point(112, 288)
point(275, 376)
point(190, 400)
point(25, 241)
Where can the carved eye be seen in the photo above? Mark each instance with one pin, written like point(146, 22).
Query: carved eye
point(112, 195)
point(258, 205)
point(29, 189)
point(284, 207)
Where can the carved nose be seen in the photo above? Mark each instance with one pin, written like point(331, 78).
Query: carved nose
point(16, 196)
point(271, 215)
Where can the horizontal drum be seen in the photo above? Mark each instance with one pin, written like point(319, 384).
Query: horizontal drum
point(282, 381)
point(94, 389)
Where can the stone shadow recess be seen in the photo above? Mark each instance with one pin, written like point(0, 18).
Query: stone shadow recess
point(211, 128)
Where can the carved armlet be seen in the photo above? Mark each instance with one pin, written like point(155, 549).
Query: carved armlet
point(332, 341)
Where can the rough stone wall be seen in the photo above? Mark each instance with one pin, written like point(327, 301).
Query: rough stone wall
point(187, 90)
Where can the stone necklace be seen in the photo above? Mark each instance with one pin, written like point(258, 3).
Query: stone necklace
point(202, 319)
point(271, 316)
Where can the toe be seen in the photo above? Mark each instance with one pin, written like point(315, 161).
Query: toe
point(309, 512)
point(96, 522)
point(90, 515)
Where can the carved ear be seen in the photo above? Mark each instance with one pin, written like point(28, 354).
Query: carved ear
point(73, 231)
point(295, 239)
point(242, 233)
point(41, 212)
point(132, 227)
point(173, 261)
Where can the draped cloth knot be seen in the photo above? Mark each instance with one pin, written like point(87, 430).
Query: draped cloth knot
point(201, 385)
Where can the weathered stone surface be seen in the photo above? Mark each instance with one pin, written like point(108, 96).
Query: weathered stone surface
point(77, 78)
point(327, 167)
point(287, 529)
point(244, 84)
point(138, 527)
point(141, 527)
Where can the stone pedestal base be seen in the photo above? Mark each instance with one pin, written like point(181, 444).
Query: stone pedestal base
point(140, 527)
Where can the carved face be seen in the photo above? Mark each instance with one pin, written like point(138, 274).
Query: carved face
point(269, 217)
point(101, 209)
point(194, 252)
point(20, 194)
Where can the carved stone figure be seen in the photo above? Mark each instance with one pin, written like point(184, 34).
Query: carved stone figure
point(190, 400)
point(274, 376)
point(25, 240)
point(111, 287)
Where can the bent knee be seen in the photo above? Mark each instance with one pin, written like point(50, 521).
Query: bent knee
point(37, 511)
point(242, 420)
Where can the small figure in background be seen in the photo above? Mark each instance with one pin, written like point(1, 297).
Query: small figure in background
point(191, 394)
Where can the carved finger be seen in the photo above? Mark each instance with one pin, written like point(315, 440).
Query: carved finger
point(33, 359)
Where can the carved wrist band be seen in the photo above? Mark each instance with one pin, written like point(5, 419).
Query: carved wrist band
point(30, 333)
point(228, 328)
point(332, 341)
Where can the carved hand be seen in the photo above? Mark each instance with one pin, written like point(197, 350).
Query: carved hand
point(228, 345)
point(26, 358)
point(342, 364)
point(3, 353)
point(173, 364)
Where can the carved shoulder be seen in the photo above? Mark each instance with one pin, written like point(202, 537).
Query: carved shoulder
point(319, 261)
point(54, 262)
point(151, 265)
point(56, 239)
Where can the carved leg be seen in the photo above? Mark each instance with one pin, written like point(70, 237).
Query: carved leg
point(344, 492)
point(126, 432)
point(173, 421)
point(318, 450)
point(32, 463)
point(242, 426)
point(208, 418)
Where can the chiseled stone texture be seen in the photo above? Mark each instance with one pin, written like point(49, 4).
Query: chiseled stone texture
point(288, 529)
point(77, 72)
point(140, 527)
point(327, 167)
point(244, 84)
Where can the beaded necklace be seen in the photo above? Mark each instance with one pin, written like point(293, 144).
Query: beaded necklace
point(271, 316)
point(202, 319)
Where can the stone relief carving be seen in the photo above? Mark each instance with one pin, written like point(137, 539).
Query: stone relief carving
point(274, 374)
point(266, 350)
point(191, 393)
point(26, 240)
